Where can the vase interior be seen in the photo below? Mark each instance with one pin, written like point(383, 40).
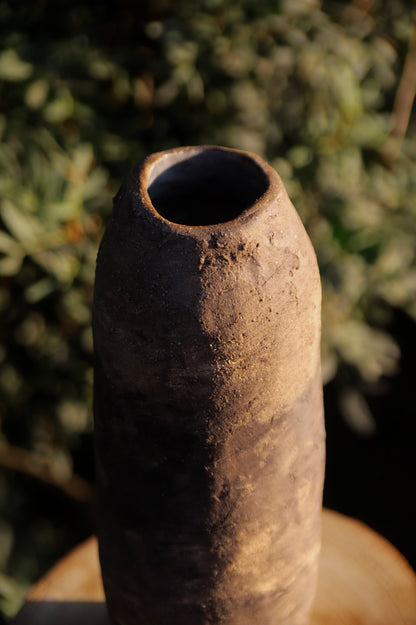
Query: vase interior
point(199, 187)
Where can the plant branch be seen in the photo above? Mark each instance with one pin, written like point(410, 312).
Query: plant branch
point(44, 469)
point(403, 101)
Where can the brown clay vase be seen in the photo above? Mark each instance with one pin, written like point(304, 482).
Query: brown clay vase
point(208, 400)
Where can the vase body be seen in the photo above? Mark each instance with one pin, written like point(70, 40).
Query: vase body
point(208, 401)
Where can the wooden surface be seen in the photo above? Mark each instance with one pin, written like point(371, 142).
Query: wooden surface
point(363, 581)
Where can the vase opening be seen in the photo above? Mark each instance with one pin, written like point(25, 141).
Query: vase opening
point(205, 187)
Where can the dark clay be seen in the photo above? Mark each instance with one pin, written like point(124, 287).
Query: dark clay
point(208, 401)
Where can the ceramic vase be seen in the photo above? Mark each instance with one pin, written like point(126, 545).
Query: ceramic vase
point(208, 400)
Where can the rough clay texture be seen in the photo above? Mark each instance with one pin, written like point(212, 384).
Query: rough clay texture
point(208, 414)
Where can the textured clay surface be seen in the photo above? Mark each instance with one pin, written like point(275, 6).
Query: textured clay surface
point(208, 402)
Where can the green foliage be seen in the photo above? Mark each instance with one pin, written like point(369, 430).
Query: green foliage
point(85, 91)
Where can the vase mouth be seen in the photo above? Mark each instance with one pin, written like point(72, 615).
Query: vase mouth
point(203, 186)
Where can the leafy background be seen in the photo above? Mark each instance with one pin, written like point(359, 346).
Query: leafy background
point(323, 91)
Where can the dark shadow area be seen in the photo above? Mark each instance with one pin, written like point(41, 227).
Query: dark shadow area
point(62, 613)
point(202, 188)
point(374, 478)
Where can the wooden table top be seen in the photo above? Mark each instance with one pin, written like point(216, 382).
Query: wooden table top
point(363, 580)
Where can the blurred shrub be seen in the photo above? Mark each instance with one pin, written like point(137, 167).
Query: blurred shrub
point(88, 89)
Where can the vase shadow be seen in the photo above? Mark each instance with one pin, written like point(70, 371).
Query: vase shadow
point(63, 613)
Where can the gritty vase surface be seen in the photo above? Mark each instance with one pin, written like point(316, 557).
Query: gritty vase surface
point(208, 401)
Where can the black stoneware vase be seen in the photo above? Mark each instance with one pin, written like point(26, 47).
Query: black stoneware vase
point(208, 400)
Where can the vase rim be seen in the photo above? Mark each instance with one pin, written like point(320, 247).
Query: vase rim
point(268, 183)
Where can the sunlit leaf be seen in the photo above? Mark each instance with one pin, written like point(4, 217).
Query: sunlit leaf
point(13, 68)
point(9, 265)
point(60, 109)
point(37, 291)
point(22, 226)
point(8, 244)
point(12, 593)
point(36, 94)
point(60, 263)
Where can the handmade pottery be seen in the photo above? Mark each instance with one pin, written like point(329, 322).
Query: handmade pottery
point(208, 397)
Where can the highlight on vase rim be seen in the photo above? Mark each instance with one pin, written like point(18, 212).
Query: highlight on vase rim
point(204, 186)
